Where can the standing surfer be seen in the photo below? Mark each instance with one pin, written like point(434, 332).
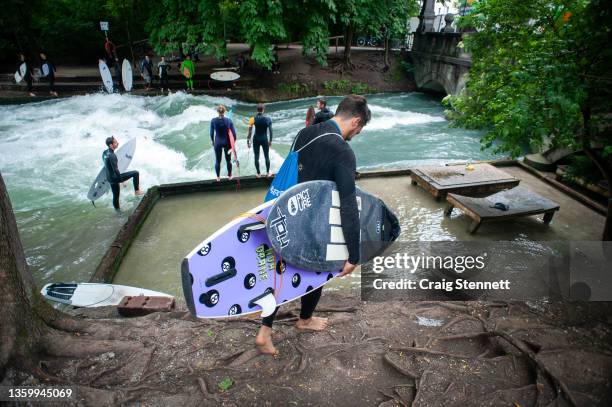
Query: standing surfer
point(262, 125)
point(113, 175)
point(329, 158)
point(219, 136)
point(146, 71)
point(188, 70)
point(27, 75)
point(163, 68)
point(48, 70)
point(324, 113)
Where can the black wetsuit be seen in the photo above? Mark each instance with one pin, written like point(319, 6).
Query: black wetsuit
point(329, 158)
point(219, 136)
point(323, 115)
point(114, 177)
point(163, 74)
point(51, 75)
point(262, 124)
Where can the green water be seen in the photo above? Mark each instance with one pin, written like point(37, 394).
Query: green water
point(51, 153)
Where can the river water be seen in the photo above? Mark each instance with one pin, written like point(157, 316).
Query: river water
point(50, 153)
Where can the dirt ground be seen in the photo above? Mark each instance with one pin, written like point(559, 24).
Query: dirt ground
point(374, 354)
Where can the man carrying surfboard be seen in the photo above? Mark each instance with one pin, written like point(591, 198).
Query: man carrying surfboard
point(27, 74)
point(327, 156)
point(220, 128)
point(146, 71)
point(48, 70)
point(113, 175)
point(262, 125)
point(188, 71)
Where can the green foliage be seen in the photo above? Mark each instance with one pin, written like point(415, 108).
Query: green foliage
point(582, 167)
point(533, 65)
point(345, 86)
point(225, 384)
point(294, 90)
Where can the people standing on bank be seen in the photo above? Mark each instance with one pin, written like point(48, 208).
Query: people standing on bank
point(163, 67)
point(262, 125)
point(27, 76)
point(113, 175)
point(219, 136)
point(188, 71)
point(328, 158)
point(112, 60)
point(324, 113)
point(146, 71)
point(47, 68)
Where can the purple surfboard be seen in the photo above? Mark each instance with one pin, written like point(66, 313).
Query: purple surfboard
point(236, 272)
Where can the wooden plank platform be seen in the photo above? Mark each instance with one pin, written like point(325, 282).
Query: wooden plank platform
point(483, 180)
point(521, 202)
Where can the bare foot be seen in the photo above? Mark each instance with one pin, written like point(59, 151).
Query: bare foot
point(32, 94)
point(258, 175)
point(231, 177)
point(264, 343)
point(218, 179)
point(138, 192)
point(269, 175)
point(312, 324)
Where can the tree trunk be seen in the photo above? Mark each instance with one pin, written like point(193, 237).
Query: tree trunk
point(21, 326)
point(348, 40)
point(602, 164)
point(387, 52)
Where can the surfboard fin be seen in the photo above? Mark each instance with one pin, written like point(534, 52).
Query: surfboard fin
point(267, 304)
point(249, 227)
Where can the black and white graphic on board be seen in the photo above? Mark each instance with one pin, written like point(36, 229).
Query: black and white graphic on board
point(298, 202)
point(280, 228)
point(336, 249)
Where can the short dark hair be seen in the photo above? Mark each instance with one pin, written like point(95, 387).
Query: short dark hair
point(323, 102)
point(354, 106)
point(109, 141)
point(260, 107)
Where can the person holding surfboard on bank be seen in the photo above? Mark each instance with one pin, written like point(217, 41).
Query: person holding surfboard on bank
point(326, 155)
point(263, 125)
point(146, 71)
point(219, 136)
point(163, 68)
point(48, 70)
point(188, 71)
point(27, 75)
point(113, 175)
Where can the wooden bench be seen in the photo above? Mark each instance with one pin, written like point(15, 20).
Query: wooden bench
point(521, 202)
point(483, 180)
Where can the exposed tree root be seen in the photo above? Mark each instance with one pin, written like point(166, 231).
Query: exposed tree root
point(70, 346)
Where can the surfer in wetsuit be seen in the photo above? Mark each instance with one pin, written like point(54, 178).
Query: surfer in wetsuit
point(146, 69)
point(262, 125)
point(113, 175)
point(219, 136)
point(27, 77)
point(324, 113)
point(163, 68)
point(329, 158)
point(188, 70)
point(51, 72)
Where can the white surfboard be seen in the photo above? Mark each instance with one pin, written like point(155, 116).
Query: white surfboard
point(224, 76)
point(107, 78)
point(20, 73)
point(126, 75)
point(100, 186)
point(93, 294)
